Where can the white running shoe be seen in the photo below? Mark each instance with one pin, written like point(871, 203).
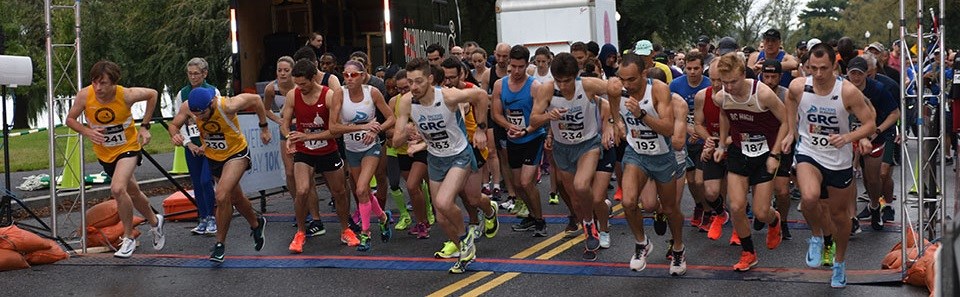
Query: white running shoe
point(604, 239)
point(158, 238)
point(127, 246)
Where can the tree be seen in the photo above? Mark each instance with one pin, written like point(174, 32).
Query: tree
point(673, 23)
point(822, 19)
point(749, 22)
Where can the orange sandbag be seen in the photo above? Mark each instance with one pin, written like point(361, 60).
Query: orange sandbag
point(918, 273)
point(110, 235)
point(19, 240)
point(11, 260)
point(47, 256)
point(103, 214)
point(931, 275)
point(177, 202)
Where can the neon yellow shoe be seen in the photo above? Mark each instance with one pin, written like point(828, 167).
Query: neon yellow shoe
point(448, 251)
point(828, 254)
point(404, 222)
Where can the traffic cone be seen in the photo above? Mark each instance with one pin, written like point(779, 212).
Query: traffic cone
point(179, 161)
point(70, 178)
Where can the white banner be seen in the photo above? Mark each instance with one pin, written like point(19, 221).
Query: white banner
point(266, 170)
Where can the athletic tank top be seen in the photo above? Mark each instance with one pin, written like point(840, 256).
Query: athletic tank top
point(493, 79)
point(402, 149)
point(442, 129)
point(641, 137)
point(818, 117)
point(312, 119)
point(470, 121)
point(357, 113)
point(786, 77)
point(580, 122)
point(753, 127)
point(279, 98)
point(711, 114)
point(542, 78)
point(221, 134)
point(517, 107)
point(114, 117)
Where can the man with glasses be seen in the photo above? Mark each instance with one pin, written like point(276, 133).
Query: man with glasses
point(226, 148)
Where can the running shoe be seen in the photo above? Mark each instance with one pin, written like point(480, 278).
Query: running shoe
point(815, 252)
point(678, 263)
point(404, 222)
point(486, 190)
point(316, 229)
point(855, 227)
point(349, 237)
point(774, 236)
point(839, 278)
point(828, 253)
point(258, 233)
point(496, 195)
point(697, 218)
point(554, 199)
point(296, 246)
point(639, 260)
point(716, 225)
point(507, 205)
point(517, 205)
point(475, 230)
point(459, 267)
point(218, 252)
point(385, 231)
point(423, 231)
point(589, 255)
point(448, 251)
point(468, 251)
point(660, 223)
point(604, 239)
point(540, 228)
point(572, 229)
point(735, 238)
point(707, 222)
point(887, 213)
point(211, 225)
point(524, 211)
point(201, 228)
point(592, 238)
point(865, 213)
point(491, 224)
point(876, 222)
point(747, 261)
point(618, 196)
point(364, 242)
point(127, 246)
point(758, 225)
point(526, 224)
point(159, 239)
point(785, 231)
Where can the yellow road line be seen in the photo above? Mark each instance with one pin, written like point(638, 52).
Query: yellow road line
point(508, 276)
point(452, 288)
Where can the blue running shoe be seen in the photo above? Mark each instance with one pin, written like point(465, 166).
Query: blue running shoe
point(839, 278)
point(815, 252)
point(385, 231)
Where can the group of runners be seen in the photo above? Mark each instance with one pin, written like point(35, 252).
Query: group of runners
point(736, 129)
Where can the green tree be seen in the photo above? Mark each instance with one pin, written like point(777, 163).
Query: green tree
point(673, 23)
point(822, 19)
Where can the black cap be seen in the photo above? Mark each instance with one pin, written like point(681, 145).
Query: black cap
point(771, 34)
point(857, 63)
point(726, 45)
point(661, 57)
point(802, 44)
point(703, 39)
point(772, 66)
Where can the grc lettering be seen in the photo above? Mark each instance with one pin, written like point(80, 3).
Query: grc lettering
point(823, 119)
point(576, 117)
point(427, 126)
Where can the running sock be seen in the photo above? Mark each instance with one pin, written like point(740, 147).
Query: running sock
point(365, 208)
point(590, 222)
point(375, 206)
point(398, 201)
point(774, 223)
point(747, 244)
point(717, 205)
point(827, 240)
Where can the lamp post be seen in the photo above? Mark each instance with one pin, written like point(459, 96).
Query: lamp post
point(889, 31)
point(866, 37)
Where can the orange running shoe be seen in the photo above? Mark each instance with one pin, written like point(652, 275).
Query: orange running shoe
point(774, 237)
point(734, 238)
point(716, 227)
point(618, 195)
point(349, 238)
point(296, 246)
point(747, 261)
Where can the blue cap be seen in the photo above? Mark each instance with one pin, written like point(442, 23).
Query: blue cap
point(200, 98)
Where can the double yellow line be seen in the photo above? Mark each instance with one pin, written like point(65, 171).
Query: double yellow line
point(456, 286)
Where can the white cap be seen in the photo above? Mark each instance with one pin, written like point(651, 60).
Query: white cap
point(812, 42)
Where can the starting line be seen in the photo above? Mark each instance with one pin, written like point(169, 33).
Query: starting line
point(496, 265)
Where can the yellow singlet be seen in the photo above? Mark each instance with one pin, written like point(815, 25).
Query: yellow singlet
point(119, 134)
point(220, 134)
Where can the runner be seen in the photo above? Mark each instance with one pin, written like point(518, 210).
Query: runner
point(314, 151)
point(354, 110)
point(413, 170)
point(117, 144)
point(197, 163)
point(226, 148)
point(644, 106)
point(752, 115)
point(687, 86)
point(823, 103)
point(450, 159)
point(772, 51)
point(511, 108)
point(571, 106)
point(770, 75)
point(499, 135)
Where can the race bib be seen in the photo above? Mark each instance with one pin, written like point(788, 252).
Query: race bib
point(314, 144)
point(648, 143)
point(571, 132)
point(114, 136)
point(515, 116)
point(690, 119)
point(820, 137)
point(192, 130)
point(354, 137)
point(216, 141)
point(754, 145)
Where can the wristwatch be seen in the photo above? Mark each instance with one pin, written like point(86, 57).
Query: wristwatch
point(145, 125)
point(262, 125)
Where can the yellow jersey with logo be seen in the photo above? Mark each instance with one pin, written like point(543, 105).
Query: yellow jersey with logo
point(220, 133)
point(114, 117)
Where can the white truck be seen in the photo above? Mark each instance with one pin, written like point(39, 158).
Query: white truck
point(556, 23)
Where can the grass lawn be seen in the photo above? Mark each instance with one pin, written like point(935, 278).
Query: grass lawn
point(30, 152)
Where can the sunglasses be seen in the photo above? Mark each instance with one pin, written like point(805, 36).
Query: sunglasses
point(352, 74)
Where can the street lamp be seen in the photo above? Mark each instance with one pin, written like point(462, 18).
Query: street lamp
point(866, 36)
point(889, 31)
